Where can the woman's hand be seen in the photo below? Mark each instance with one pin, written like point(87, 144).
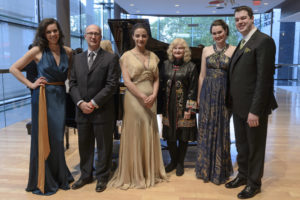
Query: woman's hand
point(150, 100)
point(187, 115)
point(39, 82)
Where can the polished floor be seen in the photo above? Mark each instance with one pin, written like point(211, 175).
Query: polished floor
point(281, 178)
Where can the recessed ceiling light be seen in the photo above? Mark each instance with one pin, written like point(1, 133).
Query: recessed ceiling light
point(266, 4)
point(176, 5)
point(177, 12)
point(137, 11)
point(256, 11)
point(214, 11)
point(131, 4)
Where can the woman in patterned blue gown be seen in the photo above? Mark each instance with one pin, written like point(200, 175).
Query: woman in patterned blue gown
point(47, 170)
point(213, 159)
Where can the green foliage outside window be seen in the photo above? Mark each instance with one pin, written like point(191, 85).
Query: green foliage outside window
point(167, 29)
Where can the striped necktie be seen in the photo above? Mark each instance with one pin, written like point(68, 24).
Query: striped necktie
point(91, 59)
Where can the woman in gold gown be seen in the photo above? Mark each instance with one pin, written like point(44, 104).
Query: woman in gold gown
point(140, 157)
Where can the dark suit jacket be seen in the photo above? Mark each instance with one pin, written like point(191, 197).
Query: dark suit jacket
point(99, 83)
point(251, 76)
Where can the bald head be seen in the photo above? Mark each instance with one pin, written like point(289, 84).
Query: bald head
point(93, 36)
point(93, 27)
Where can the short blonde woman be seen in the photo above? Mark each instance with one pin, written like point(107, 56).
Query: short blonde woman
point(179, 85)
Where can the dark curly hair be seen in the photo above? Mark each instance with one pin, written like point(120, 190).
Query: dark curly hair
point(40, 39)
point(220, 22)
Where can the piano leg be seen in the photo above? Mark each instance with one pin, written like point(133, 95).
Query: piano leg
point(67, 137)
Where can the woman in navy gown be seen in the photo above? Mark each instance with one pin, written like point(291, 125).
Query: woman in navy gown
point(47, 170)
point(213, 160)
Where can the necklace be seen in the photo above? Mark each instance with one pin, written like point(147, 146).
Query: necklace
point(221, 50)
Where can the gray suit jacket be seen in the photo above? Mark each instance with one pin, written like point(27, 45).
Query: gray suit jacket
point(99, 83)
point(251, 76)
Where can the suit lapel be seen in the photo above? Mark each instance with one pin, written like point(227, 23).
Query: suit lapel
point(239, 52)
point(84, 61)
point(235, 56)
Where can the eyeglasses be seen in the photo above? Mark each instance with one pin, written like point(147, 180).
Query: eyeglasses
point(96, 34)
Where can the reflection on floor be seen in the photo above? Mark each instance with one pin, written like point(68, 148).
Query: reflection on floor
point(281, 177)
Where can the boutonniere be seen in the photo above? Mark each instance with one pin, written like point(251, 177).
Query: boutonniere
point(247, 50)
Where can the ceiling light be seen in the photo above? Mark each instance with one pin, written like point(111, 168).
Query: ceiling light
point(177, 12)
point(256, 2)
point(255, 11)
point(215, 2)
point(137, 11)
point(176, 5)
point(266, 4)
point(214, 11)
point(131, 4)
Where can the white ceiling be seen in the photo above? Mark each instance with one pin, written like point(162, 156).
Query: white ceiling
point(191, 7)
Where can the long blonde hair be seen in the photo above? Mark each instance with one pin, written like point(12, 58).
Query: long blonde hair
point(187, 51)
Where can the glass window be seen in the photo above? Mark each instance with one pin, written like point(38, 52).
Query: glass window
point(195, 30)
point(12, 87)
point(11, 48)
point(48, 8)
point(75, 16)
point(107, 14)
point(75, 42)
point(88, 14)
point(23, 10)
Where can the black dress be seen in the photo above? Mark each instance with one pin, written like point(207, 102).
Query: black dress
point(179, 89)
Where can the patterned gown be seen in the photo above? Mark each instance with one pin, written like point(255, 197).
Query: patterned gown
point(213, 158)
point(140, 157)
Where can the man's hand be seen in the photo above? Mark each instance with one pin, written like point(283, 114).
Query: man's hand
point(86, 108)
point(253, 120)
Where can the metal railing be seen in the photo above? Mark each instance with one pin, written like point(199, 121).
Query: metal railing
point(13, 95)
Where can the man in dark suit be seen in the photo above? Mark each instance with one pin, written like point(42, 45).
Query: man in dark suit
point(93, 82)
point(251, 100)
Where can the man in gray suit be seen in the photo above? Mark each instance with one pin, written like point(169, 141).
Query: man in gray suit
point(93, 81)
point(251, 100)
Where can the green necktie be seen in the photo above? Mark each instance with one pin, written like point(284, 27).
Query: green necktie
point(242, 43)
